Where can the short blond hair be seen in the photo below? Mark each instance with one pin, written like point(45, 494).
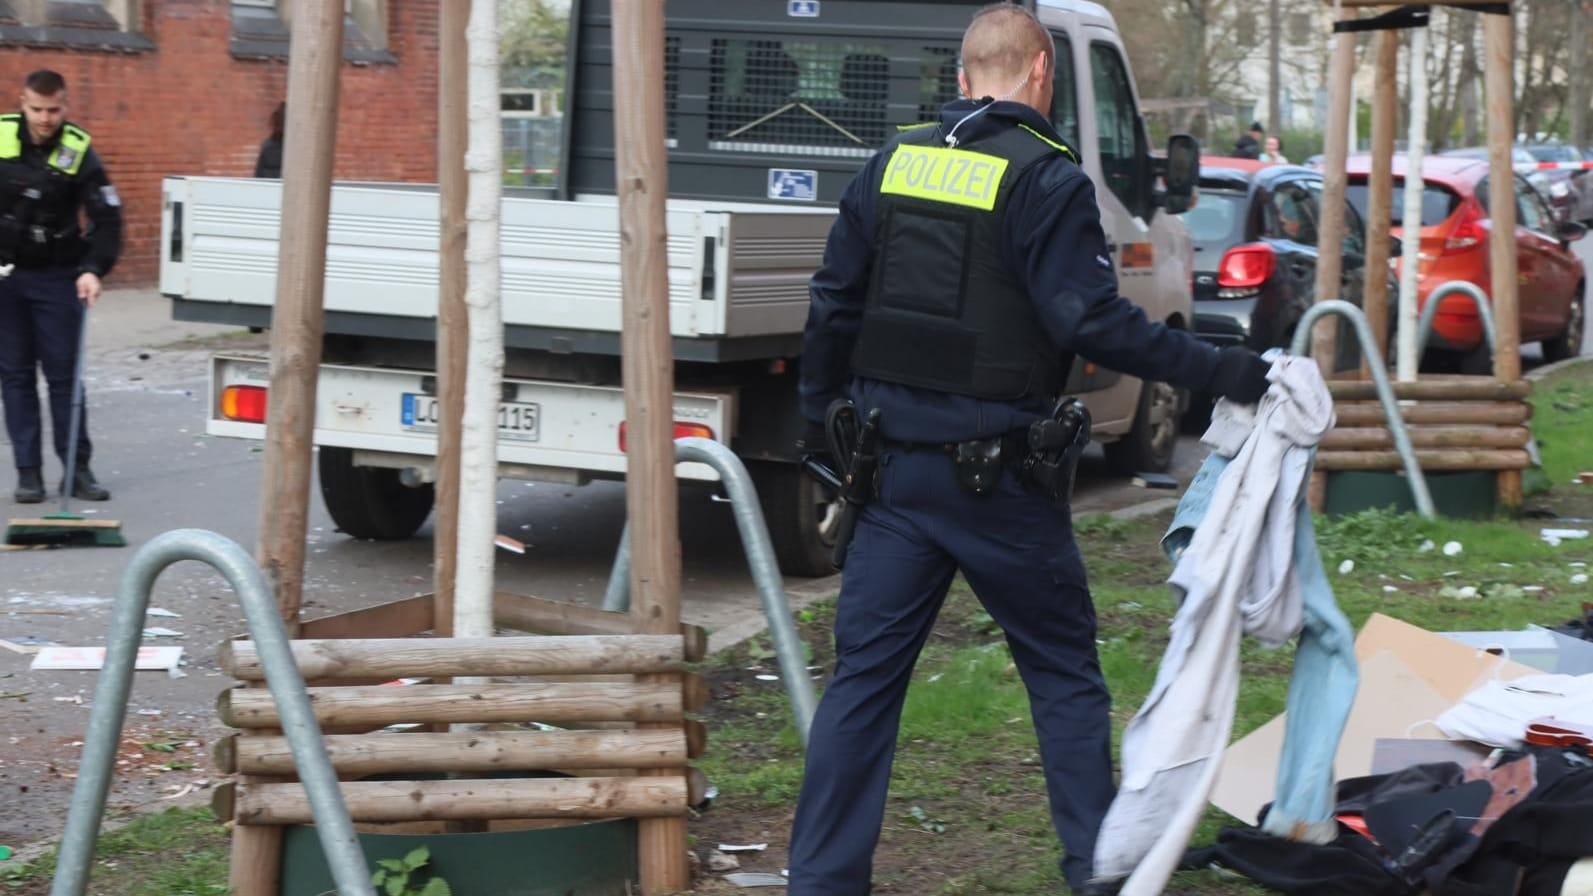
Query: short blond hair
point(1001, 41)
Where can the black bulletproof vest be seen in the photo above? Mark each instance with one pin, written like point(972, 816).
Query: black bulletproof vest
point(943, 311)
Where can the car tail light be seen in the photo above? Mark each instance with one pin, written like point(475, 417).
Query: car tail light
point(245, 404)
point(682, 431)
point(1467, 232)
point(1244, 268)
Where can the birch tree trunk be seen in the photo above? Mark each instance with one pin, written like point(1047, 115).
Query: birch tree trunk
point(478, 478)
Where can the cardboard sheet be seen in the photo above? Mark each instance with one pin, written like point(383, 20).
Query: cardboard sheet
point(1408, 676)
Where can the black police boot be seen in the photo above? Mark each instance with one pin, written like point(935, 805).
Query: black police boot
point(85, 487)
point(30, 486)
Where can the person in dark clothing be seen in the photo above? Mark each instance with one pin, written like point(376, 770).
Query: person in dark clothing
point(49, 175)
point(269, 162)
point(1248, 146)
point(965, 267)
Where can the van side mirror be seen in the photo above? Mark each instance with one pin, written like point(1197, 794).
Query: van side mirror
point(1396, 247)
point(1570, 231)
point(1182, 173)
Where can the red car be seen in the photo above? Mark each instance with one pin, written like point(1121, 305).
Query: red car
point(1552, 295)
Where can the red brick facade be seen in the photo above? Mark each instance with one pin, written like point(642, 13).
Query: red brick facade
point(189, 107)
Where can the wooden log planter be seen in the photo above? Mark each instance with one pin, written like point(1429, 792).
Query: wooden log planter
point(620, 701)
point(1456, 424)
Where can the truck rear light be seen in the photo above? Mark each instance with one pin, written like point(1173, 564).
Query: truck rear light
point(682, 431)
point(245, 404)
point(1244, 268)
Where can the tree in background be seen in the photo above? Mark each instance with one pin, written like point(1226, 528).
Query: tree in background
point(534, 34)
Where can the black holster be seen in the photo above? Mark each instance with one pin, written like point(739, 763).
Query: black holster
point(1055, 445)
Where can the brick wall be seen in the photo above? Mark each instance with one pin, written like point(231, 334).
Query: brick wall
point(189, 107)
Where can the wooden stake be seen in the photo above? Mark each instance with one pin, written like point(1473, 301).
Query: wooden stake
point(497, 798)
point(1330, 232)
point(1475, 389)
point(314, 58)
point(395, 619)
point(642, 182)
point(1379, 438)
point(453, 324)
point(1380, 191)
point(536, 614)
point(1498, 74)
point(554, 702)
point(447, 657)
point(1430, 460)
point(358, 755)
point(1503, 413)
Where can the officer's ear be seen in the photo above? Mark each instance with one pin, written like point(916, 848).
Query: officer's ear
point(962, 83)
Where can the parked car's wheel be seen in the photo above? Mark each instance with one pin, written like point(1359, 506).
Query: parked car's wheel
point(370, 502)
point(1569, 343)
point(802, 515)
point(1149, 445)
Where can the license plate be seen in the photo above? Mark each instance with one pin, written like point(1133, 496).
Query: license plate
point(519, 420)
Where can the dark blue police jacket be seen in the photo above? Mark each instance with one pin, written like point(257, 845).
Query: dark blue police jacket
point(1053, 239)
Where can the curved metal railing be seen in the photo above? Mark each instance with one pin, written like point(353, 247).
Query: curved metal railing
point(332, 823)
point(1385, 393)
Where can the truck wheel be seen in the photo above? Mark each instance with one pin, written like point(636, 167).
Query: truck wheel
point(370, 502)
point(801, 514)
point(1148, 446)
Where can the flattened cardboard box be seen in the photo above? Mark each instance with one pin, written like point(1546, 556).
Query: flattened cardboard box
point(1409, 676)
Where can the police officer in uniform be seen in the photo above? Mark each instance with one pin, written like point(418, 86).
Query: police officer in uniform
point(49, 173)
point(966, 266)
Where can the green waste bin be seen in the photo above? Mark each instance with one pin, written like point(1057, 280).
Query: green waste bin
point(596, 859)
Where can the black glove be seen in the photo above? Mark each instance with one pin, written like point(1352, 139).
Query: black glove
point(1241, 375)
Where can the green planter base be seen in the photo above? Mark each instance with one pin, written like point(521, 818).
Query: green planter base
point(1467, 495)
point(597, 859)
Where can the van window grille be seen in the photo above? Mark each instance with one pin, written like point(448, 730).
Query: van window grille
point(811, 96)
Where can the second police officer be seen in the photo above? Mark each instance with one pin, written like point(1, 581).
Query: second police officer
point(953, 304)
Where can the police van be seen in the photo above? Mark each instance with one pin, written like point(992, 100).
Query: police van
point(771, 107)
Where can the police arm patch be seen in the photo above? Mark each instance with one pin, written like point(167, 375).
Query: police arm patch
point(109, 196)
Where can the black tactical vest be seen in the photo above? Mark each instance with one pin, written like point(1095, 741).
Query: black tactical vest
point(944, 312)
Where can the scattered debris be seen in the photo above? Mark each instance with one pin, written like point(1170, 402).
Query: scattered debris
point(748, 879)
point(159, 632)
point(93, 659)
point(1579, 579)
point(718, 861)
point(767, 677)
point(163, 613)
point(1452, 548)
point(512, 545)
point(743, 847)
point(1389, 589)
point(1346, 567)
point(1554, 536)
point(1467, 592)
point(1426, 546)
point(25, 644)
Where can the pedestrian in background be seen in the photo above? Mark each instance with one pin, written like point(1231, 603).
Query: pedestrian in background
point(1273, 151)
point(269, 162)
point(50, 177)
point(1248, 146)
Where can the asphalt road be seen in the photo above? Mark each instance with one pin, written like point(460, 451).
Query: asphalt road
point(146, 383)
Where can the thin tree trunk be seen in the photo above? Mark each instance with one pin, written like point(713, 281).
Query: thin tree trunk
point(478, 477)
point(1470, 124)
point(1579, 74)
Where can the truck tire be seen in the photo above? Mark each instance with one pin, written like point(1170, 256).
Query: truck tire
point(801, 514)
point(370, 502)
point(1148, 446)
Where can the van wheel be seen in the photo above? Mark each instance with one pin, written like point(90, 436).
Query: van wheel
point(802, 515)
point(370, 502)
point(1569, 343)
point(1149, 445)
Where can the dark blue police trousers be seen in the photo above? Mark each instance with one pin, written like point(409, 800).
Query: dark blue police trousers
point(39, 319)
point(1017, 552)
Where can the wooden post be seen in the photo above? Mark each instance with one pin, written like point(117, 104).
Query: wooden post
point(1330, 233)
point(658, 699)
point(453, 325)
point(1380, 192)
point(1498, 74)
point(314, 59)
point(642, 182)
point(391, 658)
point(387, 801)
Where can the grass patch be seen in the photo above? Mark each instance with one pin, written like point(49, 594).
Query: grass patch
point(1562, 421)
point(178, 852)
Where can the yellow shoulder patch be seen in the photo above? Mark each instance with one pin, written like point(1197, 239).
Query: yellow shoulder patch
point(939, 174)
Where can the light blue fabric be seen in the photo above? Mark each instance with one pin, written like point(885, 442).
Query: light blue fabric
point(1322, 687)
